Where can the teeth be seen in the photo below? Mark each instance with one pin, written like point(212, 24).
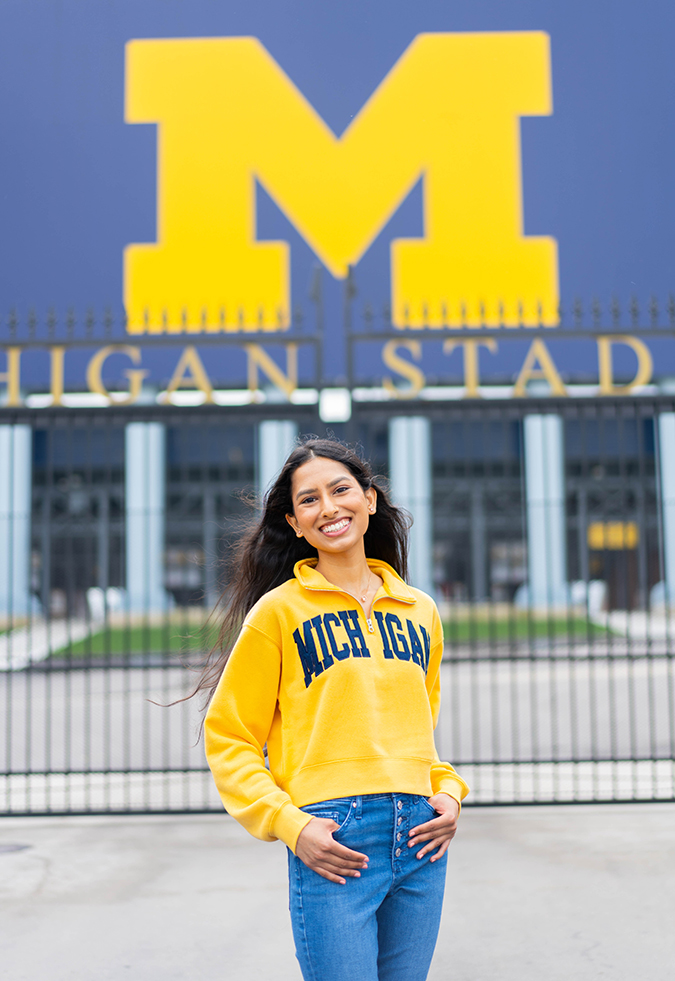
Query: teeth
point(337, 526)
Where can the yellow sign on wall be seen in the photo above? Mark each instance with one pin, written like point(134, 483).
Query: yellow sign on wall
point(613, 535)
point(448, 112)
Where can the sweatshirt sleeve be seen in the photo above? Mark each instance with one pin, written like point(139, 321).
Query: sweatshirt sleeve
point(444, 778)
point(236, 728)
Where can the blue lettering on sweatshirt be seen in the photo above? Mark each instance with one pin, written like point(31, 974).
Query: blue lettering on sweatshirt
point(356, 638)
point(426, 640)
point(416, 651)
point(307, 651)
point(397, 637)
point(344, 651)
point(319, 647)
point(388, 653)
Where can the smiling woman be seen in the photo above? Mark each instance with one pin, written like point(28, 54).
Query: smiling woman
point(331, 661)
point(333, 515)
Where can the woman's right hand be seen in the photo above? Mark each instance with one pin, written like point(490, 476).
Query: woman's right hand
point(320, 852)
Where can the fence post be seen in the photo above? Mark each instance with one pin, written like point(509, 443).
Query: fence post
point(667, 474)
point(145, 479)
point(410, 475)
point(545, 499)
point(275, 441)
point(15, 511)
point(478, 545)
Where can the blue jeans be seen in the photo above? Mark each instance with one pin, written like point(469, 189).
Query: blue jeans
point(382, 926)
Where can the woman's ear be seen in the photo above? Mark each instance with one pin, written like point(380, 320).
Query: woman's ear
point(371, 497)
point(294, 524)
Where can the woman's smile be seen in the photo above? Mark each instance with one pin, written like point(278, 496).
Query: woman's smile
point(336, 527)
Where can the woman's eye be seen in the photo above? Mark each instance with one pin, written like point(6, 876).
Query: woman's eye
point(308, 500)
point(340, 489)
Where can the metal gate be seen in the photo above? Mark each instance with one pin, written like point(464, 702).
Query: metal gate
point(572, 701)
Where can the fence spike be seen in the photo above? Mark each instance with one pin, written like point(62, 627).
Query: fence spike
point(596, 311)
point(653, 311)
point(634, 311)
point(577, 311)
point(615, 311)
point(51, 323)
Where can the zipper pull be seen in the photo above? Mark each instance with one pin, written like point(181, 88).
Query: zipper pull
point(371, 628)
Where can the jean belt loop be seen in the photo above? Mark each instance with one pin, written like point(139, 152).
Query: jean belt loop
point(359, 807)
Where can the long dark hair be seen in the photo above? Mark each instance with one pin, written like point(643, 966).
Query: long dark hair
point(266, 553)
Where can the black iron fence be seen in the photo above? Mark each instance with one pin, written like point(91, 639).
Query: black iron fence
point(568, 696)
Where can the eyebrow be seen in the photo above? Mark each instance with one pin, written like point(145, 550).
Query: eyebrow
point(312, 490)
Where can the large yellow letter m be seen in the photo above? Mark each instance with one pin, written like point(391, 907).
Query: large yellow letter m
point(448, 112)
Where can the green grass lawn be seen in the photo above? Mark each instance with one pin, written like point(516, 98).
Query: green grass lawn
point(517, 626)
point(170, 638)
point(467, 626)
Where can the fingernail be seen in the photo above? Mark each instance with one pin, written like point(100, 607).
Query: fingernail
point(357, 875)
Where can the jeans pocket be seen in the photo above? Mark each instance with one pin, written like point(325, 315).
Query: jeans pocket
point(345, 823)
point(322, 811)
point(428, 806)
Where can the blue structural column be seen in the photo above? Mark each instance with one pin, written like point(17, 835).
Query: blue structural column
point(545, 500)
point(410, 476)
point(15, 510)
point(667, 474)
point(145, 486)
point(276, 438)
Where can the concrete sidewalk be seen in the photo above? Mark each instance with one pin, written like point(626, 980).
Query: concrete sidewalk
point(534, 894)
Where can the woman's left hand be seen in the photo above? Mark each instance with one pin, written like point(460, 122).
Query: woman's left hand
point(439, 832)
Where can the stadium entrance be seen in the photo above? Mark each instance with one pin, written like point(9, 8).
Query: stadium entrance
point(543, 527)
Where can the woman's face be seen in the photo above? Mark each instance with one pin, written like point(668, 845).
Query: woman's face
point(330, 508)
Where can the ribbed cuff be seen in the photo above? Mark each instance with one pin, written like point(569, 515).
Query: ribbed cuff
point(287, 824)
point(456, 789)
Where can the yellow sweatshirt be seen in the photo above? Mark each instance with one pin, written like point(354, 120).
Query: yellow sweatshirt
point(346, 706)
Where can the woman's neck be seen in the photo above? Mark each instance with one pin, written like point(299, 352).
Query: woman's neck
point(348, 571)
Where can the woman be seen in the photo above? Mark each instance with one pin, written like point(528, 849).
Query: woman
point(337, 670)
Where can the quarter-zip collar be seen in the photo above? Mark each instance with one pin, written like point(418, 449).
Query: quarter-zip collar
point(392, 584)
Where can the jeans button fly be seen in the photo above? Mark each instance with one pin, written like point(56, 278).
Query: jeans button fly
point(399, 805)
point(398, 852)
point(400, 821)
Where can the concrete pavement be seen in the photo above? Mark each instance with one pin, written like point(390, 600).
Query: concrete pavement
point(534, 893)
